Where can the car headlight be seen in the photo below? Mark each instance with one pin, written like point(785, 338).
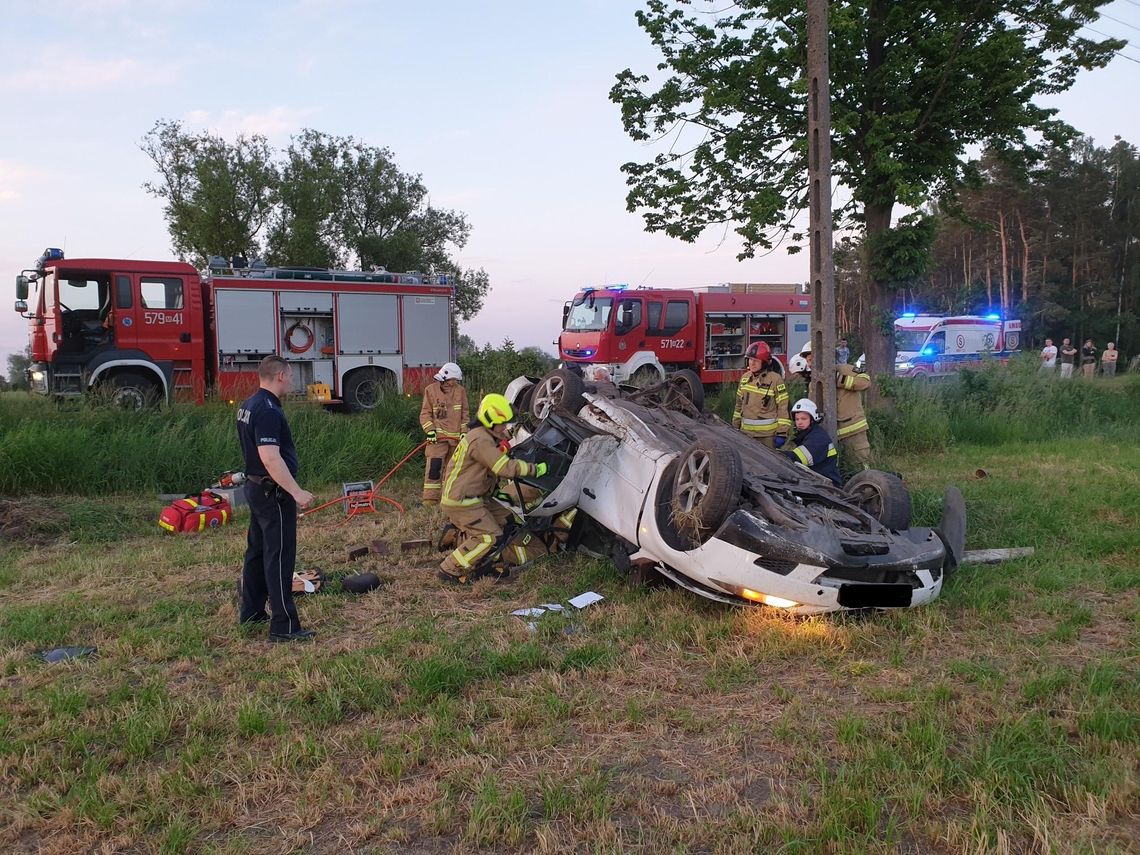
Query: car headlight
point(904, 366)
point(37, 376)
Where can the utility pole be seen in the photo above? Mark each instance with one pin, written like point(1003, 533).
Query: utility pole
point(822, 263)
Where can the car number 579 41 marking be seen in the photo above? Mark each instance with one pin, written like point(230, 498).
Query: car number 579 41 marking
point(161, 318)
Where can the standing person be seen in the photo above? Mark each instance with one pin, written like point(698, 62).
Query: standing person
point(1068, 358)
point(1108, 360)
point(842, 352)
point(480, 460)
point(1048, 356)
point(443, 416)
point(273, 494)
point(761, 410)
point(851, 426)
point(1088, 359)
point(814, 448)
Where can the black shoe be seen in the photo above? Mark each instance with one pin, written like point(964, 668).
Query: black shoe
point(299, 635)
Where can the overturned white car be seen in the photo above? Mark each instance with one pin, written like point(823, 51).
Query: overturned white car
point(664, 489)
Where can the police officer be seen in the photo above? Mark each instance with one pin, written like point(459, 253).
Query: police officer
point(761, 409)
point(273, 495)
point(814, 448)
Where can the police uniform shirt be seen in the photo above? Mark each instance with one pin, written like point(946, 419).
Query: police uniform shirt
point(261, 421)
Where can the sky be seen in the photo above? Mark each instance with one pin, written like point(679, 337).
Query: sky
point(502, 107)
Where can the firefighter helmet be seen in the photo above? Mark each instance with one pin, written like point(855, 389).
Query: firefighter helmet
point(495, 409)
point(806, 348)
point(798, 365)
point(449, 371)
point(759, 350)
point(806, 405)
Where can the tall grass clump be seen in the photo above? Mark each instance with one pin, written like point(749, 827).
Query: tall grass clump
point(93, 450)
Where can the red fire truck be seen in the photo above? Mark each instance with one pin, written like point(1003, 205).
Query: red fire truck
point(643, 334)
point(149, 331)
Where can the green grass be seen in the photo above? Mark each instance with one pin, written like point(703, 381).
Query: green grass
point(1001, 717)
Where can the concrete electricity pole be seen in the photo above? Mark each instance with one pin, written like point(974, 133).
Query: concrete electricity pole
point(819, 200)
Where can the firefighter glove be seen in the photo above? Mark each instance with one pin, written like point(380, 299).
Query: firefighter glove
point(780, 442)
point(539, 470)
point(431, 436)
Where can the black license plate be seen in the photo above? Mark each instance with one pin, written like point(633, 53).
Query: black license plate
point(874, 596)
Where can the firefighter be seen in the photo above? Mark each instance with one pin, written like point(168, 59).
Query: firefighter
point(479, 461)
point(851, 422)
point(761, 409)
point(814, 448)
point(443, 415)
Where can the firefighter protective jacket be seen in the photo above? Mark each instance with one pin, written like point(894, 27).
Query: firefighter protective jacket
point(762, 405)
point(444, 411)
point(476, 467)
point(815, 450)
point(850, 418)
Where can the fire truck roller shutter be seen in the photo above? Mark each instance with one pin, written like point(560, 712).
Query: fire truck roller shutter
point(427, 330)
point(368, 323)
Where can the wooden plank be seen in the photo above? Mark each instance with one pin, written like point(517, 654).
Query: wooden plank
point(996, 556)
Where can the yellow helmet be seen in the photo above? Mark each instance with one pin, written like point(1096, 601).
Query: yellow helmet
point(495, 409)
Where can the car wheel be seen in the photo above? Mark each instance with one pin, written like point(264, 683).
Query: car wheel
point(688, 384)
point(561, 389)
point(882, 495)
point(706, 487)
point(130, 391)
point(365, 388)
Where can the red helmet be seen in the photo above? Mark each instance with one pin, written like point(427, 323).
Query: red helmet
point(759, 350)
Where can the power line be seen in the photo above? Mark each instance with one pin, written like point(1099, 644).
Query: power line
point(1125, 23)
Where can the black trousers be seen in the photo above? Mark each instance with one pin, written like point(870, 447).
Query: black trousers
point(270, 553)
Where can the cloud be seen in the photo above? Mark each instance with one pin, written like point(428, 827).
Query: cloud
point(58, 72)
point(12, 176)
point(276, 121)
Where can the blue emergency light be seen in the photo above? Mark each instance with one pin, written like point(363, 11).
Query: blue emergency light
point(993, 317)
point(617, 287)
point(928, 351)
point(908, 314)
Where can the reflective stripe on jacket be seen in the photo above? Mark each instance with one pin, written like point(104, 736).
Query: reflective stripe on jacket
point(849, 417)
point(815, 450)
point(444, 411)
point(762, 405)
point(476, 467)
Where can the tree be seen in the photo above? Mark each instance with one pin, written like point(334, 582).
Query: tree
point(218, 195)
point(913, 85)
point(18, 364)
point(327, 201)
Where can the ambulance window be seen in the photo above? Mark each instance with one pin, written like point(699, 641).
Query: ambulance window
point(161, 293)
point(653, 315)
point(937, 343)
point(676, 316)
point(123, 297)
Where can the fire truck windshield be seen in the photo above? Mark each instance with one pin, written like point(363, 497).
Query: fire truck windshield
point(589, 313)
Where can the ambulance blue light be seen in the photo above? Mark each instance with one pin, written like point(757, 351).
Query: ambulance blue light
point(993, 317)
point(908, 314)
point(928, 351)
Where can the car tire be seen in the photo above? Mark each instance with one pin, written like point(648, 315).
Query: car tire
point(559, 390)
point(131, 391)
point(688, 384)
point(883, 495)
point(706, 487)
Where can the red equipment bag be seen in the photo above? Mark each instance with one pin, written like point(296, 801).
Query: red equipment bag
point(196, 512)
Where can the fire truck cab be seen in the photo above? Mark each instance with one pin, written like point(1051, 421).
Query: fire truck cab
point(143, 332)
point(643, 334)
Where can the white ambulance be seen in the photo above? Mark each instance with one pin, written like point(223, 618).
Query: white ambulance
point(937, 345)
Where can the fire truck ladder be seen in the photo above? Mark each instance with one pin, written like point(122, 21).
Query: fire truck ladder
point(257, 270)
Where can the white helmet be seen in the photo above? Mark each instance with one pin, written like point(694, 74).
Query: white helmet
point(798, 365)
point(806, 348)
point(450, 371)
point(806, 405)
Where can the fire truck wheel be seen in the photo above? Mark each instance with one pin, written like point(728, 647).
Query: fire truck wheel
point(883, 495)
point(644, 376)
point(365, 388)
point(558, 390)
point(130, 391)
